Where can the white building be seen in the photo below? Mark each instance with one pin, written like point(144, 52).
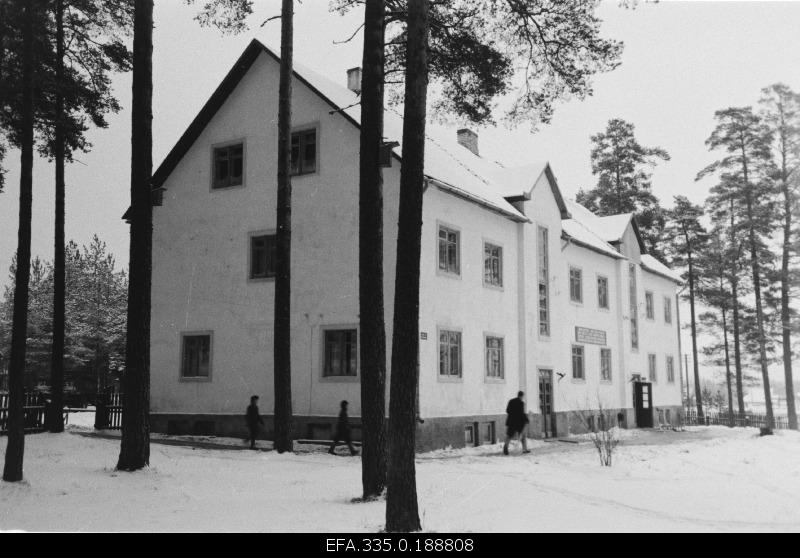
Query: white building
point(520, 290)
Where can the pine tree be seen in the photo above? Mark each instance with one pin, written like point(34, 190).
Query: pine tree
point(781, 113)
point(686, 238)
point(620, 163)
point(747, 144)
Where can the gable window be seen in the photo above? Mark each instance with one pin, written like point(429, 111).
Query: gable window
point(649, 306)
point(492, 265)
point(670, 369)
point(196, 357)
point(450, 353)
point(228, 166)
point(633, 307)
point(544, 274)
point(449, 251)
point(304, 152)
point(341, 353)
point(494, 357)
point(651, 366)
point(575, 284)
point(262, 256)
point(577, 362)
point(605, 365)
point(667, 310)
point(602, 292)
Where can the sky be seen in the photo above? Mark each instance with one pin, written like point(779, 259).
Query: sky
point(681, 62)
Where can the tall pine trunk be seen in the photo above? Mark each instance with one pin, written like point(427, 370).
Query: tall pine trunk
point(370, 258)
point(786, 323)
point(737, 347)
point(135, 446)
point(402, 514)
point(283, 291)
point(731, 421)
point(697, 391)
point(15, 448)
point(55, 415)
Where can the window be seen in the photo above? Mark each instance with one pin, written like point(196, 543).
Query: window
point(492, 265)
point(633, 308)
point(577, 362)
point(228, 166)
point(304, 152)
point(575, 284)
point(544, 274)
point(449, 251)
point(651, 366)
point(667, 310)
point(494, 357)
point(487, 433)
point(670, 369)
point(649, 307)
point(450, 353)
point(469, 435)
point(196, 360)
point(262, 256)
point(602, 292)
point(341, 353)
point(605, 365)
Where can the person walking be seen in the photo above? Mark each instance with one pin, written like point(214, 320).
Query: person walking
point(516, 422)
point(342, 431)
point(253, 419)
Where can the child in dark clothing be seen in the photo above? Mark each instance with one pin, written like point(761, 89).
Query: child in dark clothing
point(253, 420)
point(343, 431)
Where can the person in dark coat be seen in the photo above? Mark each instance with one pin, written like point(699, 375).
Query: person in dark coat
point(253, 420)
point(343, 431)
point(516, 422)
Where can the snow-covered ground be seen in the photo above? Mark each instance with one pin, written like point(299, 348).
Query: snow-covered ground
point(704, 479)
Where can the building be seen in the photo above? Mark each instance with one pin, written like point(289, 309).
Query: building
point(520, 289)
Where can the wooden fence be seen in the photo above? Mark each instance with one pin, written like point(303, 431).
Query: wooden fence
point(108, 415)
point(754, 420)
point(34, 410)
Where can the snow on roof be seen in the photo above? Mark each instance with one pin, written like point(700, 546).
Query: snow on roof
point(583, 229)
point(446, 160)
point(652, 264)
point(612, 228)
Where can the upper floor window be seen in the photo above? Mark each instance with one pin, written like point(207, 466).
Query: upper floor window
point(494, 357)
point(492, 265)
point(304, 152)
point(262, 256)
point(228, 166)
point(649, 306)
point(196, 356)
point(575, 284)
point(602, 292)
point(450, 353)
point(449, 250)
point(341, 353)
point(633, 305)
point(667, 310)
point(544, 289)
point(577, 363)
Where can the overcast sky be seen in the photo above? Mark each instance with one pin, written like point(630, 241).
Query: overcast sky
point(682, 61)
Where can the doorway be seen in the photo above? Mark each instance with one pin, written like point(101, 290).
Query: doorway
point(643, 404)
point(546, 403)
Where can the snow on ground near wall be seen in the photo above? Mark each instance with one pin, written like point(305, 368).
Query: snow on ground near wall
point(705, 479)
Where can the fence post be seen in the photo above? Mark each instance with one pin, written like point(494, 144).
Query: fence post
point(101, 412)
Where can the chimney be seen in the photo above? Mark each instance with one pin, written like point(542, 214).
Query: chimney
point(468, 139)
point(354, 80)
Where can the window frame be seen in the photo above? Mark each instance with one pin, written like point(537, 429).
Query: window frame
point(582, 348)
point(488, 378)
point(450, 229)
point(494, 245)
point(600, 306)
point(633, 307)
point(649, 305)
point(182, 355)
point(580, 286)
point(543, 280)
point(670, 367)
point(324, 353)
point(667, 310)
point(223, 145)
point(301, 132)
point(250, 237)
point(652, 367)
point(449, 377)
point(603, 352)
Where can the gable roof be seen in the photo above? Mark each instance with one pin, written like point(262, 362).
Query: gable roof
point(582, 228)
point(654, 266)
point(448, 165)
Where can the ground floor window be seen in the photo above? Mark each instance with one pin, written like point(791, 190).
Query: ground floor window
point(196, 361)
point(450, 353)
point(577, 362)
point(494, 357)
point(341, 353)
point(605, 365)
point(651, 365)
point(670, 369)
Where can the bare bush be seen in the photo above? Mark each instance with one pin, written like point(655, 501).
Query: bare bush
point(600, 423)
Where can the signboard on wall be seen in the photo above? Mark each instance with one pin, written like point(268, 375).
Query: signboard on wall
point(591, 336)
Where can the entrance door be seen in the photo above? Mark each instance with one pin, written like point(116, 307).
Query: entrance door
point(546, 403)
point(643, 404)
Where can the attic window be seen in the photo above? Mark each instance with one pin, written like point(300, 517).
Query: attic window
point(304, 152)
point(228, 166)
